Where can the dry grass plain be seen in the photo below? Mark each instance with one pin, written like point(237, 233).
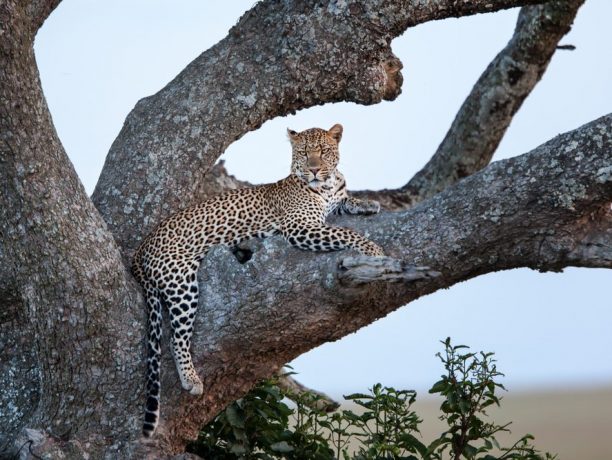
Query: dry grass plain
point(576, 424)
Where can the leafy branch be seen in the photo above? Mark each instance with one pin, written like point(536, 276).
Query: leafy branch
point(262, 425)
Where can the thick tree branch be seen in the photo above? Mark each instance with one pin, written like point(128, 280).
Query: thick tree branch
point(279, 58)
point(61, 271)
point(538, 210)
point(487, 112)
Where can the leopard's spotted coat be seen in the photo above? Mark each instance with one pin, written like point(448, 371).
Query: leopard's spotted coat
point(296, 207)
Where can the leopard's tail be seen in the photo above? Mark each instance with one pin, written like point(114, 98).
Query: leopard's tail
point(154, 308)
point(154, 320)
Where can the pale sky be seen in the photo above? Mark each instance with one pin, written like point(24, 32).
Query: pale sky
point(98, 58)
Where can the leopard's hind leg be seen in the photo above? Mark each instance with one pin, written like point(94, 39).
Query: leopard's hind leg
point(181, 295)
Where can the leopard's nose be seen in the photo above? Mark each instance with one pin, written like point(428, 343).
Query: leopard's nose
point(315, 170)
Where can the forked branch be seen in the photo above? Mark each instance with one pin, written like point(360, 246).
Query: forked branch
point(490, 107)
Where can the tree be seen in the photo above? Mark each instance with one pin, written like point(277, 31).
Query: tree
point(72, 324)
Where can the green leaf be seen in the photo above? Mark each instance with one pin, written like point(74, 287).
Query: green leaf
point(438, 442)
point(234, 417)
point(495, 443)
point(410, 441)
point(464, 406)
point(238, 449)
point(439, 386)
point(470, 451)
point(282, 447)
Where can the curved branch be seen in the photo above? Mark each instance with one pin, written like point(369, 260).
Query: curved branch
point(279, 58)
point(536, 211)
point(488, 110)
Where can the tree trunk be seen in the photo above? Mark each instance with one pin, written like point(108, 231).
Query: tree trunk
point(71, 317)
point(62, 274)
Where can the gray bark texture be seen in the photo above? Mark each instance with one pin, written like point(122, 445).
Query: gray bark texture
point(72, 320)
point(62, 273)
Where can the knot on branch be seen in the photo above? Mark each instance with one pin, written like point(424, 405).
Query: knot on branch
point(364, 269)
point(377, 81)
point(393, 86)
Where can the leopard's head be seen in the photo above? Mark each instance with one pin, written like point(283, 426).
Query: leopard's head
point(315, 154)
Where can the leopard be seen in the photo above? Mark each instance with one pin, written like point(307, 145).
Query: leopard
point(167, 261)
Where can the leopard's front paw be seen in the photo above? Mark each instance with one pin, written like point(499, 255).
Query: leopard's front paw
point(192, 383)
point(370, 207)
point(197, 388)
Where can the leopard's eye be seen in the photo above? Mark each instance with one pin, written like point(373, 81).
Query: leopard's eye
point(327, 153)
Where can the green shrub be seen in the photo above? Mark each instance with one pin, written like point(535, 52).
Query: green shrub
point(262, 426)
point(469, 388)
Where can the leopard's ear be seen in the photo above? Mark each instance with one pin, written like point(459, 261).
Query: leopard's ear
point(336, 132)
point(292, 134)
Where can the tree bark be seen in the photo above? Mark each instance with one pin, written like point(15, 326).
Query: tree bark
point(71, 317)
point(62, 273)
